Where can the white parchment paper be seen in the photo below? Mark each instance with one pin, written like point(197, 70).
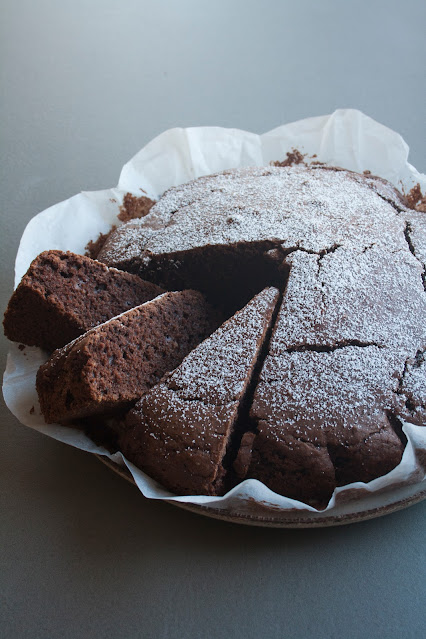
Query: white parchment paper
point(347, 138)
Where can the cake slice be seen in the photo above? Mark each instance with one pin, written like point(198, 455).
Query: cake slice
point(115, 363)
point(63, 295)
point(180, 432)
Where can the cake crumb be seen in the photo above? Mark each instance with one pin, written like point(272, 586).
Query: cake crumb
point(32, 410)
point(134, 207)
point(293, 157)
point(21, 347)
point(415, 199)
point(93, 247)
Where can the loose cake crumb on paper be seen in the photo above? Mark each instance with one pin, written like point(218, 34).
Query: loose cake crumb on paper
point(93, 247)
point(293, 157)
point(415, 199)
point(134, 207)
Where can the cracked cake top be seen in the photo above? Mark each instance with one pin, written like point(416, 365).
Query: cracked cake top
point(310, 208)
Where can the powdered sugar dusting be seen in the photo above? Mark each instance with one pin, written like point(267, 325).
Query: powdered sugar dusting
point(348, 322)
point(180, 430)
point(415, 235)
point(216, 371)
point(348, 239)
point(204, 392)
point(345, 366)
point(293, 206)
point(324, 295)
point(328, 393)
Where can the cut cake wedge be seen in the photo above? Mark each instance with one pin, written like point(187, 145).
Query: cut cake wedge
point(63, 295)
point(181, 432)
point(115, 363)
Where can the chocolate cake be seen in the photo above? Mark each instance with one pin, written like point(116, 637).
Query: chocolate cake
point(115, 363)
point(306, 397)
point(181, 431)
point(62, 295)
point(344, 367)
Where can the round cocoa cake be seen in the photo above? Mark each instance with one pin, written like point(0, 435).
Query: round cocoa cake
point(293, 355)
point(343, 364)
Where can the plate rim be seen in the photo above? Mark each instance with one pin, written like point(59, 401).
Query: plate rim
point(286, 521)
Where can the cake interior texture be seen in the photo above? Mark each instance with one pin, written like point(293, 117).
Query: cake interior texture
point(115, 363)
point(62, 295)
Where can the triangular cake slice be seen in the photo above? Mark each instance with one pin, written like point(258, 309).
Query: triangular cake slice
point(179, 433)
point(116, 362)
point(63, 295)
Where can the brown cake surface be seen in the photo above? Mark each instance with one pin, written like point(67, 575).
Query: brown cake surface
point(335, 384)
point(311, 209)
point(180, 431)
point(63, 295)
point(323, 419)
point(226, 234)
point(114, 363)
point(345, 365)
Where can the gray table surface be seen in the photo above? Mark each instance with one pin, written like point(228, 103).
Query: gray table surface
point(85, 84)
